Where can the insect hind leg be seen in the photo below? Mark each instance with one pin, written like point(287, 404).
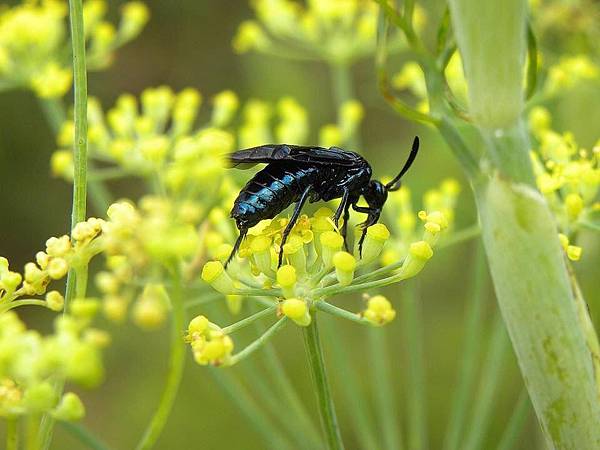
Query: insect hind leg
point(236, 246)
point(292, 222)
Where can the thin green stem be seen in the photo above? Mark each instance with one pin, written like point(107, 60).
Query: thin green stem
point(490, 379)
point(85, 436)
point(255, 415)
point(589, 225)
point(258, 343)
point(413, 335)
point(78, 212)
point(24, 302)
point(352, 388)
point(12, 433)
point(385, 397)
point(469, 350)
point(316, 362)
point(339, 312)
point(33, 426)
point(250, 319)
point(460, 236)
point(290, 395)
point(342, 86)
point(174, 374)
point(515, 425)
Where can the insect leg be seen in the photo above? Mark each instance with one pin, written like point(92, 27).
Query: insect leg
point(342, 207)
point(236, 246)
point(344, 229)
point(371, 219)
point(292, 222)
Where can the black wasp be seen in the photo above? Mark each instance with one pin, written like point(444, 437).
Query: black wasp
point(295, 174)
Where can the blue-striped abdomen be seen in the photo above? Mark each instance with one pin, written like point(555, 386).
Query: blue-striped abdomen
point(271, 191)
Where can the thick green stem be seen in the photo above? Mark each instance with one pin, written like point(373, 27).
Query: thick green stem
point(538, 306)
point(316, 363)
point(513, 430)
point(174, 374)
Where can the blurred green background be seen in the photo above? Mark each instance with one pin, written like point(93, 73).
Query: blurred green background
point(187, 43)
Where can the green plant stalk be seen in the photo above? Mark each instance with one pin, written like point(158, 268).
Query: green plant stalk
point(84, 435)
point(55, 114)
point(517, 420)
point(470, 351)
point(258, 343)
point(12, 433)
point(174, 371)
point(314, 351)
point(352, 390)
point(385, 397)
point(254, 414)
point(78, 213)
point(536, 300)
point(490, 378)
point(292, 400)
point(411, 323)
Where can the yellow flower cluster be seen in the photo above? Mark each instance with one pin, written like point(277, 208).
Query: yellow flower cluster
point(570, 71)
point(567, 175)
point(338, 31)
point(209, 344)
point(314, 258)
point(140, 243)
point(31, 362)
point(379, 310)
point(61, 254)
point(34, 49)
point(401, 215)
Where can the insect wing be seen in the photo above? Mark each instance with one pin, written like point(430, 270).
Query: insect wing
point(266, 154)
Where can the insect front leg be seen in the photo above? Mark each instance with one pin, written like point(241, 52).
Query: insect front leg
point(236, 246)
point(373, 216)
point(292, 222)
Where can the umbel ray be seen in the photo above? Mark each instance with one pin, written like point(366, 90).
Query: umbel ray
point(297, 174)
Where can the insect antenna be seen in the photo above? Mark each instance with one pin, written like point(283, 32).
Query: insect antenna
point(394, 185)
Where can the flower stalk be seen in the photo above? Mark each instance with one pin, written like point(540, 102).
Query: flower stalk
point(316, 362)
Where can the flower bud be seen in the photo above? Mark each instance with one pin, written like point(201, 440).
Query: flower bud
point(150, 311)
point(331, 243)
point(9, 281)
point(573, 205)
point(85, 308)
point(250, 36)
point(574, 252)
point(418, 255)
point(297, 310)
point(198, 325)
point(286, 277)
point(114, 308)
point(295, 254)
point(345, 264)
point(58, 246)
point(55, 301)
point(375, 239)
point(260, 247)
point(226, 104)
point(39, 397)
point(214, 274)
point(379, 311)
point(57, 268)
point(135, 17)
point(70, 408)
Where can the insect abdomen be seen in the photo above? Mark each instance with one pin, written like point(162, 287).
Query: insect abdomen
point(270, 191)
